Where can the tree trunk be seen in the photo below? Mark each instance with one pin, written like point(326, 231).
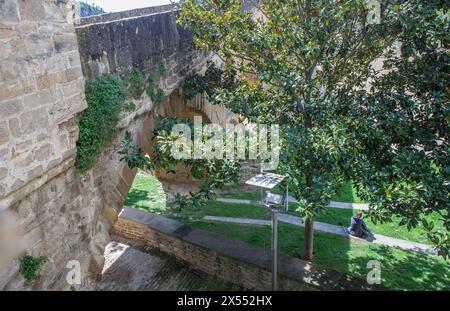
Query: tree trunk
point(309, 227)
point(309, 238)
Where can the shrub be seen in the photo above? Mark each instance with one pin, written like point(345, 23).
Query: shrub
point(105, 96)
point(30, 267)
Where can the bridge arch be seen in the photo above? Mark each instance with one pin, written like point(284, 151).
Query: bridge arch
point(62, 214)
point(115, 43)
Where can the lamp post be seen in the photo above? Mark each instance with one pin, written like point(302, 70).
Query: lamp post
point(274, 248)
point(271, 200)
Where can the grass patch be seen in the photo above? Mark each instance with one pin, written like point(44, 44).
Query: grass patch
point(392, 229)
point(400, 270)
point(330, 215)
point(348, 194)
point(236, 210)
point(147, 195)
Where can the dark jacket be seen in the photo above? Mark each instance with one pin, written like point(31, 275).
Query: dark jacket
point(357, 227)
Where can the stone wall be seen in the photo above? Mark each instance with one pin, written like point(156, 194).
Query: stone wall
point(117, 42)
point(229, 259)
point(54, 211)
point(41, 92)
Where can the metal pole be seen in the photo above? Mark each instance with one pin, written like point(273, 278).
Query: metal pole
point(287, 196)
point(274, 248)
point(262, 189)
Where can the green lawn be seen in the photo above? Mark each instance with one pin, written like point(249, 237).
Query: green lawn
point(330, 215)
point(392, 229)
point(400, 269)
point(147, 194)
point(348, 194)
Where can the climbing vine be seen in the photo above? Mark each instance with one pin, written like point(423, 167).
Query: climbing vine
point(98, 124)
point(30, 268)
point(214, 173)
point(136, 83)
point(106, 98)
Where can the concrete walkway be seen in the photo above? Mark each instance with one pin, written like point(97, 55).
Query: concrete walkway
point(131, 267)
point(343, 205)
point(328, 228)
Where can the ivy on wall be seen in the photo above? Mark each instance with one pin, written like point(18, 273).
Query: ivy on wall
point(106, 98)
point(98, 124)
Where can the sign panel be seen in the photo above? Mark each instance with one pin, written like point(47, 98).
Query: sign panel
point(267, 180)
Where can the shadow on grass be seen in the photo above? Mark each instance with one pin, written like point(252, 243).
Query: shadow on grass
point(143, 200)
point(407, 270)
point(399, 269)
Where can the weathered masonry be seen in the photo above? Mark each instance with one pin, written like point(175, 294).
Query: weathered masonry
point(55, 211)
point(237, 262)
point(47, 208)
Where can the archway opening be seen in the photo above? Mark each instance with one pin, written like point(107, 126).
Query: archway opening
point(154, 191)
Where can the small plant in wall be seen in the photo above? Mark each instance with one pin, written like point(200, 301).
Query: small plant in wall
point(153, 90)
point(30, 268)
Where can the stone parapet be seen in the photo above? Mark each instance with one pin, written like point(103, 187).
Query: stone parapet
point(232, 260)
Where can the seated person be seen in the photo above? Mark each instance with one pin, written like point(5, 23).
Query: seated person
point(358, 227)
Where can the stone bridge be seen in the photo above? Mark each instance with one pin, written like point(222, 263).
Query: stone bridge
point(46, 55)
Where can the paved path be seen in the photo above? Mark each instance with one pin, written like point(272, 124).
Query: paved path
point(324, 227)
point(132, 267)
point(344, 205)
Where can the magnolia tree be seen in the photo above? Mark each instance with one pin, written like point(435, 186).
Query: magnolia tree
point(307, 65)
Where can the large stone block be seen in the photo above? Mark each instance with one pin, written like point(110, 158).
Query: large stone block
point(34, 120)
point(65, 42)
point(23, 29)
point(14, 127)
point(49, 80)
point(61, 11)
point(4, 132)
point(43, 152)
point(9, 70)
point(66, 108)
point(38, 99)
point(16, 88)
point(10, 108)
point(72, 88)
point(35, 172)
point(9, 11)
point(18, 48)
point(73, 73)
point(21, 148)
point(3, 172)
point(39, 46)
point(6, 31)
point(31, 10)
point(25, 160)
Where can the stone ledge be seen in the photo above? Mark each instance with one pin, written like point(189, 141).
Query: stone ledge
point(115, 16)
point(305, 273)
